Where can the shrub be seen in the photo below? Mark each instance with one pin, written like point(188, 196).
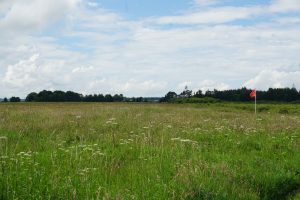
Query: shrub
point(283, 111)
point(194, 100)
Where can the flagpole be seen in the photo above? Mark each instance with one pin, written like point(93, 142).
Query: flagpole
point(255, 102)
point(253, 94)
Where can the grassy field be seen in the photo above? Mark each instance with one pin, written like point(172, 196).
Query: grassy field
point(149, 151)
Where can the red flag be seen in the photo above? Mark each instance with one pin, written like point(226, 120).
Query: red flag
point(253, 94)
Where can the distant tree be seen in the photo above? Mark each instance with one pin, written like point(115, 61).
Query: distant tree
point(88, 98)
point(139, 99)
point(108, 98)
point(14, 99)
point(198, 94)
point(101, 98)
point(168, 96)
point(291, 94)
point(45, 96)
point(186, 92)
point(92, 98)
point(5, 100)
point(118, 97)
point(209, 93)
point(73, 96)
point(58, 96)
point(32, 97)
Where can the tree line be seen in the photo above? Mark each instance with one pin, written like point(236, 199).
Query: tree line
point(241, 95)
point(12, 99)
point(70, 96)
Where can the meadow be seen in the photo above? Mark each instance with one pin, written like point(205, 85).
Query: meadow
point(149, 151)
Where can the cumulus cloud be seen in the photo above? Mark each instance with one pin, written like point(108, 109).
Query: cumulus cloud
point(31, 15)
point(33, 74)
point(132, 87)
point(274, 79)
point(22, 73)
point(285, 6)
point(210, 85)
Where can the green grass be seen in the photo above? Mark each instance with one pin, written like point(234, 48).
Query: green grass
point(149, 151)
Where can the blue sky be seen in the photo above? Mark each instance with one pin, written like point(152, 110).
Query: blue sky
point(137, 9)
point(147, 48)
point(134, 9)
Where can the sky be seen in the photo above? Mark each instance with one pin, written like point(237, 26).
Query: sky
point(147, 48)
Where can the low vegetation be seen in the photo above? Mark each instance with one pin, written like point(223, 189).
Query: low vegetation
point(149, 151)
point(194, 100)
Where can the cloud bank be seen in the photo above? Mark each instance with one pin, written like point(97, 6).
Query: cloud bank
point(82, 46)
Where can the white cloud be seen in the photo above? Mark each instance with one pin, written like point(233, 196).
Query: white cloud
point(21, 74)
point(210, 85)
point(208, 14)
point(93, 4)
point(288, 20)
point(131, 87)
point(4, 6)
point(181, 86)
point(274, 79)
point(34, 74)
point(31, 15)
point(285, 5)
point(82, 69)
point(202, 85)
point(213, 15)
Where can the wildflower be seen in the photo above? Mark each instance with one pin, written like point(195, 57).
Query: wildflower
point(185, 140)
point(21, 153)
point(4, 157)
point(3, 138)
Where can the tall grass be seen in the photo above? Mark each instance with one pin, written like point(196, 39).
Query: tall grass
point(148, 151)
